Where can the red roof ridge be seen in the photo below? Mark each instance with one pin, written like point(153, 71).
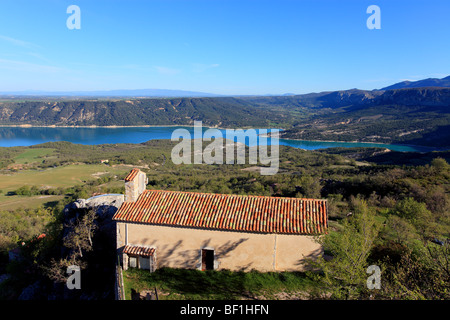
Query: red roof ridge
point(232, 194)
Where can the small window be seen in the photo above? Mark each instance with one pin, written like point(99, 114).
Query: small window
point(133, 262)
point(207, 259)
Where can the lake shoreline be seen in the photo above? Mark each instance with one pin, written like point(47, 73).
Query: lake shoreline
point(91, 126)
point(383, 145)
point(364, 142)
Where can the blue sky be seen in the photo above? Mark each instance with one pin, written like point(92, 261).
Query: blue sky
point(221, 46)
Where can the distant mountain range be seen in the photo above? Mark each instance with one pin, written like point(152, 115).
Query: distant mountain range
point(168, 93)
point(430, 82)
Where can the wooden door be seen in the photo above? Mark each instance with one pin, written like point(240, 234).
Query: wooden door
point(207, 259)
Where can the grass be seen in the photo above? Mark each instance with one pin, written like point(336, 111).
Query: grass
point(15, 202)
point(63, 176)
point(181, 284)
point(32, 155)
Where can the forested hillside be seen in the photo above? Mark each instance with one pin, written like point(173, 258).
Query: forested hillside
point(406, 116)
point(181, 111)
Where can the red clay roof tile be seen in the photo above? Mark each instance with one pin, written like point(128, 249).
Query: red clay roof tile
point(227, 212)
point(137, 250)
point(132, 175)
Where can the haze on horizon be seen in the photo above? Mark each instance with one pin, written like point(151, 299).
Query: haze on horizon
point(224, 47)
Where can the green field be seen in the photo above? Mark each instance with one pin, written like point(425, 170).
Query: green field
point(16, 202)
point(64, 176)
point(33, 155)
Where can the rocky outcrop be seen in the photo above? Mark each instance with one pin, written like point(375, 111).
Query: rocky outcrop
point(104, 205)
point(112, 200)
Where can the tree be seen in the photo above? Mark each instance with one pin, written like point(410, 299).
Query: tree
point(399, 229)
point(344, 275)
point(440, 165)
point(81, 232)
point(311, 187)
point(55, 270)
point(418, 215)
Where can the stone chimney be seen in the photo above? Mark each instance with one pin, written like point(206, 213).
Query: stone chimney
point(135, 183)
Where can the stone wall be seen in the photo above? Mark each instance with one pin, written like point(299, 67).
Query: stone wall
point(178, 247)
point(135, 187)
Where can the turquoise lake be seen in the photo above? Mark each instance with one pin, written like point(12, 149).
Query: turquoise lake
point(20, 136)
